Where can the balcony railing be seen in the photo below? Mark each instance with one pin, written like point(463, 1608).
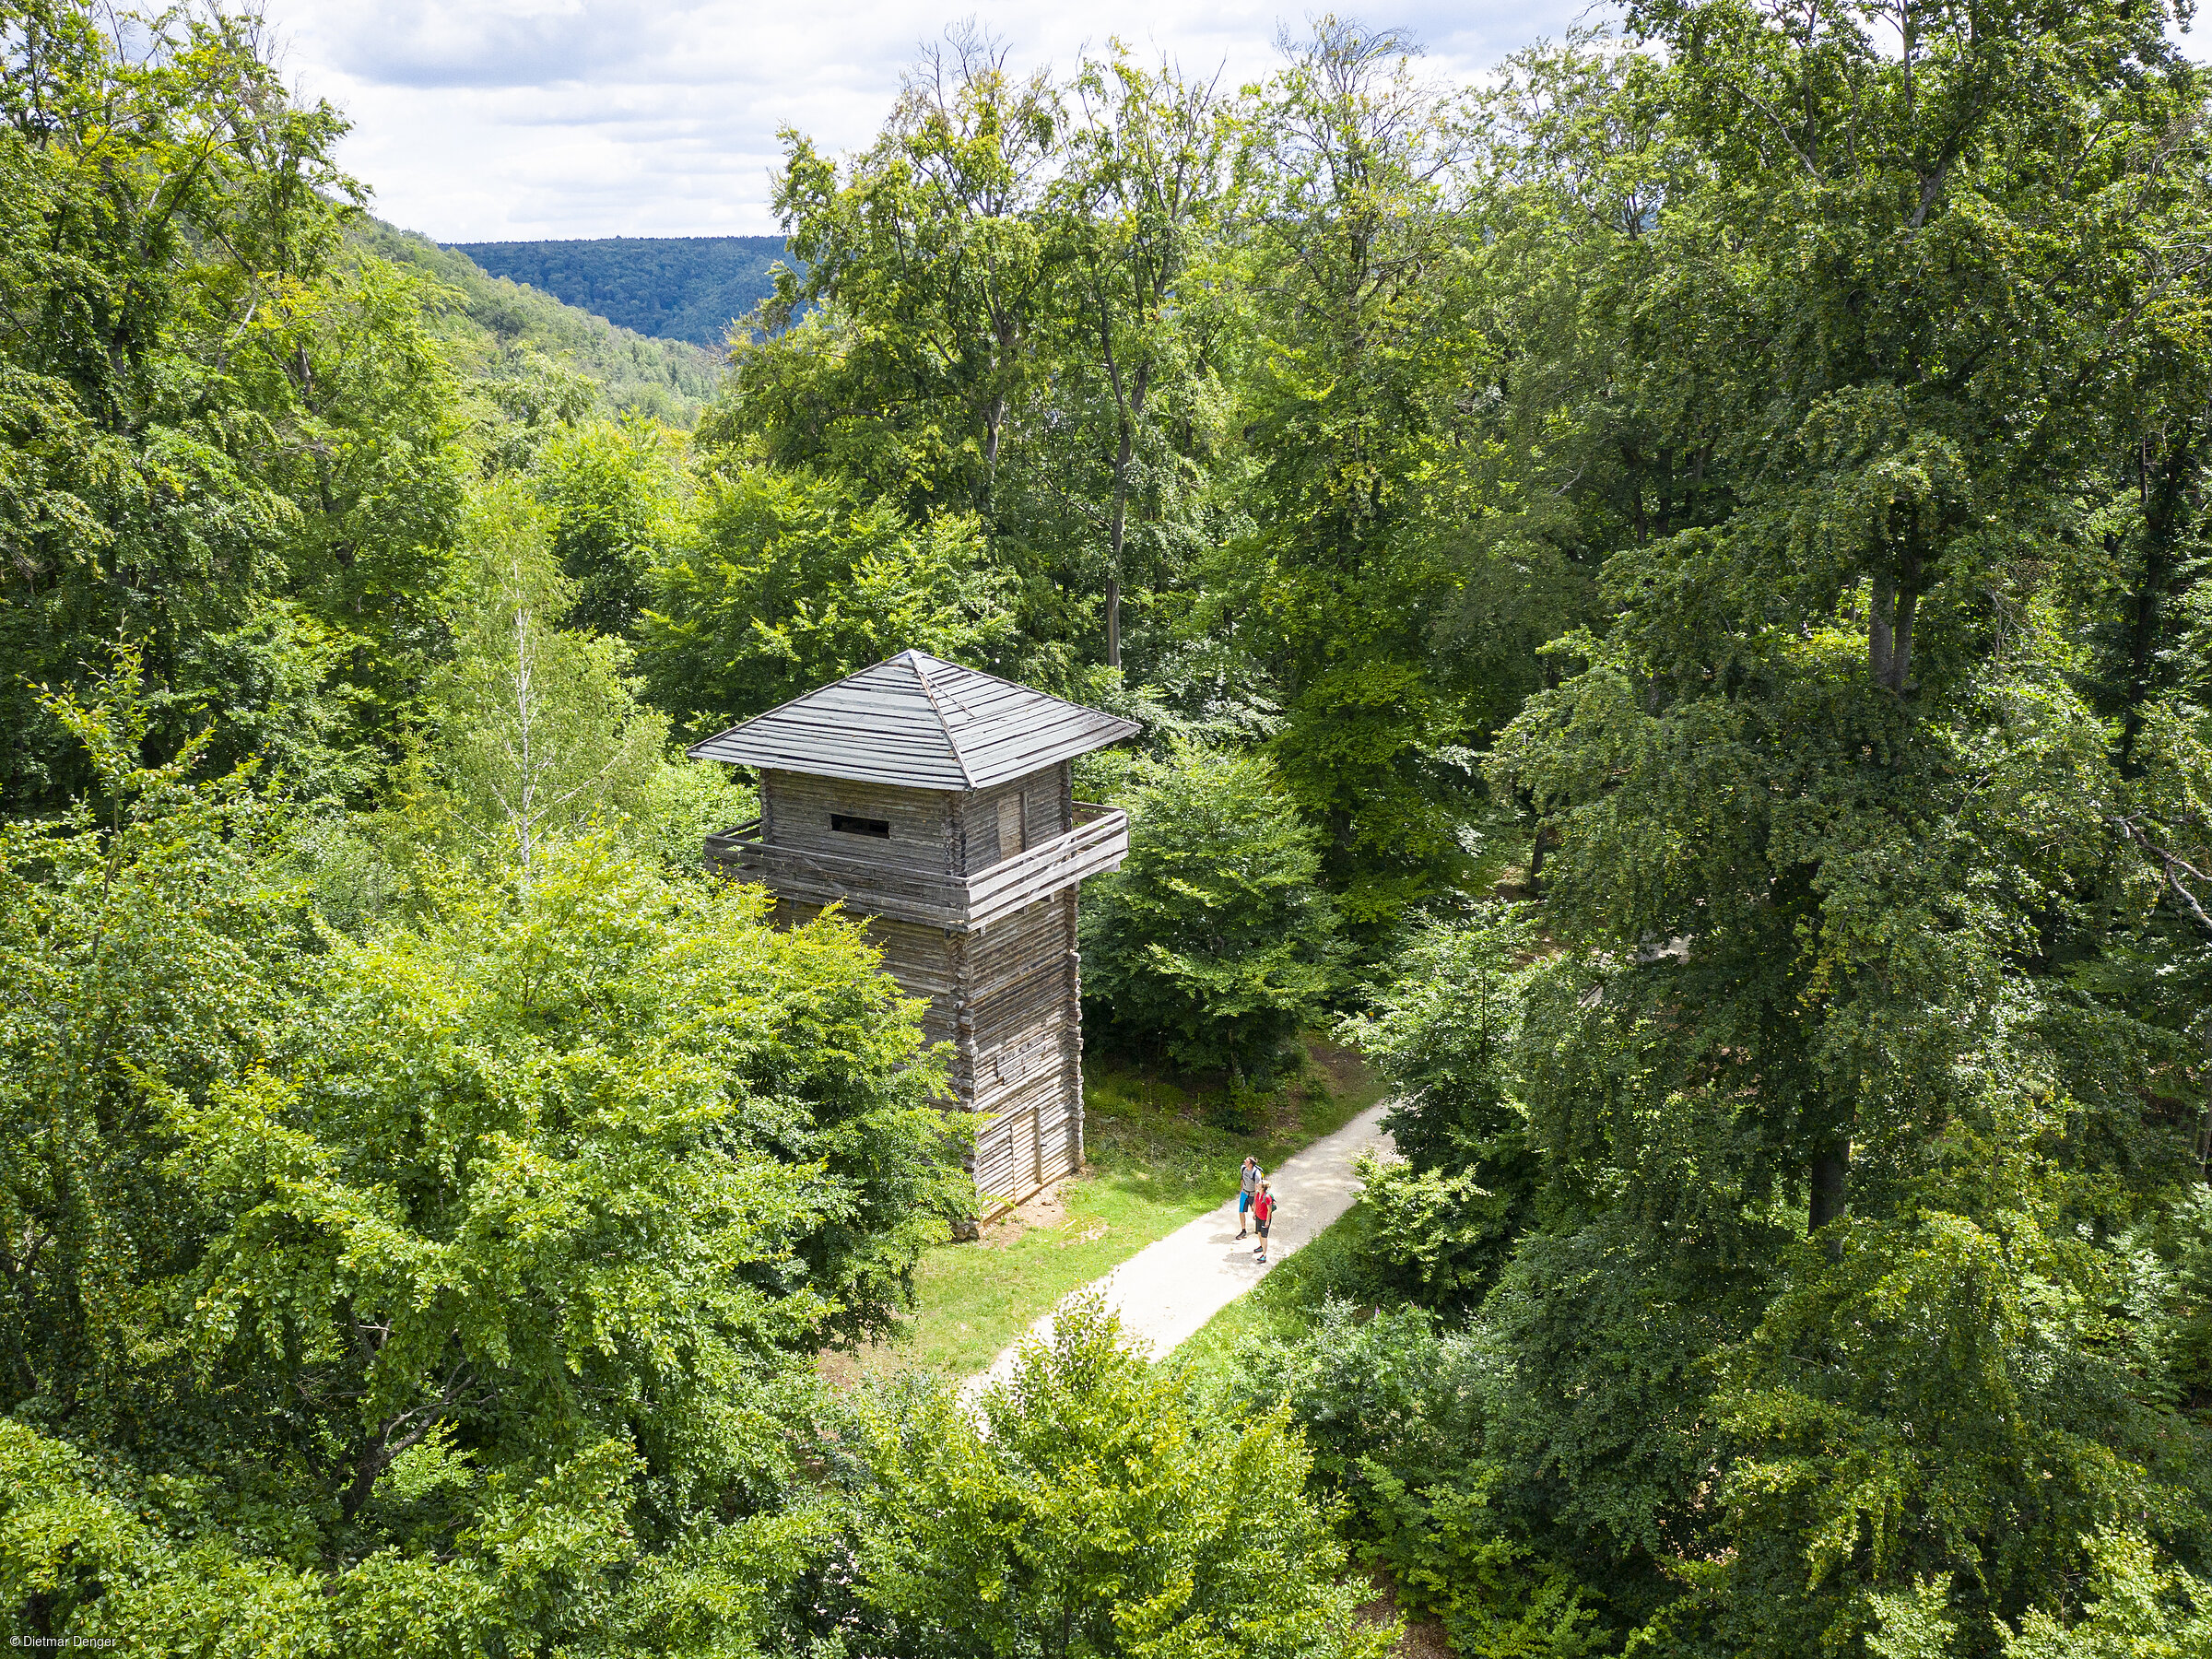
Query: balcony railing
point(1098, 843)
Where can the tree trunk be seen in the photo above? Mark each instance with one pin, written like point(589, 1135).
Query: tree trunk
point(1901, 631)
point(370, 1465)
point(1877, 628)
point(1117, 534)
point(1536, 861)
point(1128, 411)
point(2203, 1127)
point(1889, 623)
point(1830, 1177)
point(2162, 500)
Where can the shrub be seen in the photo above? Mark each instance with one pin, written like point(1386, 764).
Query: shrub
point(1436, 1237)
point(1214, 943)
point(1102, 1512)
point(1394, 1411)
point(1443, 1033)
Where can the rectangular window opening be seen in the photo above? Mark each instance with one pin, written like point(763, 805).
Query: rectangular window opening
point(847, 825)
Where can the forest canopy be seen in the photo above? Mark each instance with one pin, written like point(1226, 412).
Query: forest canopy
point(1669, 594)
point(673, 288)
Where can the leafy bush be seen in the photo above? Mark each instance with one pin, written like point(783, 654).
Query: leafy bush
point(1386, 1386)
point(1435, 1237)
point(1394, 1411)
point(1096, 1509)
point(1214, 943)
point(2131, 1605)
point(1442, 1033)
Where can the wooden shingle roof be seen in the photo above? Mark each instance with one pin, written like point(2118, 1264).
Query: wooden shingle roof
point(920, 723)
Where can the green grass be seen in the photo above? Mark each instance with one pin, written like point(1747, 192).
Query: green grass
point(1159, 1155)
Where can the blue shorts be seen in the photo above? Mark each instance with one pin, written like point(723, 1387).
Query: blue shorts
point(1243, 1202)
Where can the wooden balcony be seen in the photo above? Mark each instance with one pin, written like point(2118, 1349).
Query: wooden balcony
point(1098, 843)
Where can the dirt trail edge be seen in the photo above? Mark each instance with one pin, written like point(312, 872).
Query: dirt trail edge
point(1171, 1287)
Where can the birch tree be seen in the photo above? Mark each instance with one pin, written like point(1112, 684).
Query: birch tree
point(541, 730)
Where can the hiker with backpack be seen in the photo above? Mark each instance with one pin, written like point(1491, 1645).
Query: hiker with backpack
point(1248, 1186)
point(1262, 1212)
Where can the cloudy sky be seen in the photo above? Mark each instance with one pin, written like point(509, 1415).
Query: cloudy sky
point(498, 120)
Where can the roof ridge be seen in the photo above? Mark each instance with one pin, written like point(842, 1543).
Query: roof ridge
point(877, 734)
point(816, 691)
point(915, 661)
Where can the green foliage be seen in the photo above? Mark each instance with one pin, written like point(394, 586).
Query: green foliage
point(1395, 1413)
point(1991, 1344)
point(787, 581)
point(1436, 1236)
point(490, 327)
point(1389, 1391)
point(133, 928)
point(2130, 1607)
point(1444, 1035)
point(1212, 943)
point(1095, 1510)
point(1855, 1116)
point(1768, 452)
point(615, 493)
point(930, 267)
point(2173, 1265)
point(219, 442)
point(1129, 469)
point(538, 730)
point(1356, 313)
point(447, 1280)
point(1005, 309)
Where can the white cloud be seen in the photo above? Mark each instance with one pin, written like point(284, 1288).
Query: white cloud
point(520, 119)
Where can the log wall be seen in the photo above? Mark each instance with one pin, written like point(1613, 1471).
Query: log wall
point(795, 809)
point(1007, 996)
point(1023, 1027)
point(1048, 809)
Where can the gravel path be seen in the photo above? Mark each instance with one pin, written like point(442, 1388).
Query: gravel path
point(1167, 1289)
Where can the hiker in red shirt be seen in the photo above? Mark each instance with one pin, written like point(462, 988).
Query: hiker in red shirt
point(1262, 1212)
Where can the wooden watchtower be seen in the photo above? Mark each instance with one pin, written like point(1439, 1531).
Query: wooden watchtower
point(936, 802)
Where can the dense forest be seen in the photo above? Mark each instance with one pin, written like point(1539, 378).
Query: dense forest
point(1669, 597)
point(487, 320)
point(675, 287)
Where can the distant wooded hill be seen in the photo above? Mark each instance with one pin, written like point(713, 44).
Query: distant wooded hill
point(488, 320)
point(675, 287)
